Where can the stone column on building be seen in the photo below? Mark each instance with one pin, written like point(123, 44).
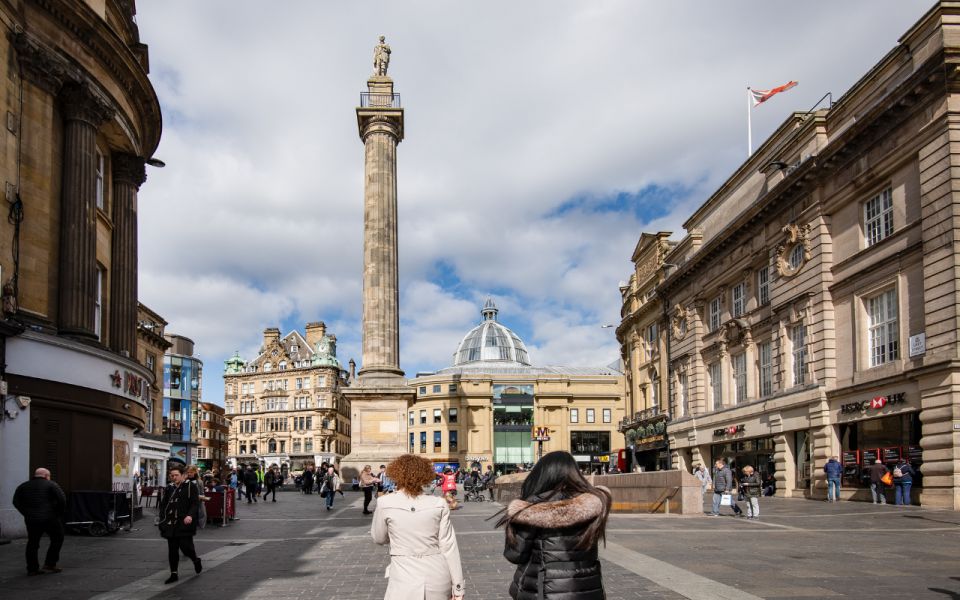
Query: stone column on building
point(380, 396)
point(84, 111)
point(129, 174)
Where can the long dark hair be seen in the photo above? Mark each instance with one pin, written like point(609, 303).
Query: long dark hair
point(556, 477)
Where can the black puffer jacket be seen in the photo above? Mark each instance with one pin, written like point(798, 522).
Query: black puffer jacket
point(550, 566)
point(39, 500)
point(177, 503)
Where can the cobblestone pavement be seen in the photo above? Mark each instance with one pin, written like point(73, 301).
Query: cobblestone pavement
point(295, 549)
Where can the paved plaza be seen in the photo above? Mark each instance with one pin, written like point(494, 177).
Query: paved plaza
point(295, 549)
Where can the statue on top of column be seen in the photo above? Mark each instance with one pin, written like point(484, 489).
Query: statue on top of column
point(381, 57)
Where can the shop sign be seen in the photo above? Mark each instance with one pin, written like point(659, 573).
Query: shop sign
point(891, 454)
point(128, 382)
point(541, 434)
point(876, 403)
point(473, 459)
point(732, 430)
point(851, 457)
point(602, 458)
point(870, 456)
point(918, 344)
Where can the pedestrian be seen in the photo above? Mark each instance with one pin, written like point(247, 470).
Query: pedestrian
point(701, 473)
point(878, 488)
point(234, 487)
point(250, 483)
point(834, 472)
point(260, 481)
point(903, 475)
point(368, 482)
point(178, 514)
point(489, 478)
point(330, 486)
point(752, 486)
point(270, 480)
point(308, 480)
point(42, 504)
point(449, 488)
point(386, 484)
point(723, 485)
point(553, 531)
point(424, 556)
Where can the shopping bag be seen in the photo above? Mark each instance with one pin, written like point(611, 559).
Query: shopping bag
point(726, 500)
point(887, 478)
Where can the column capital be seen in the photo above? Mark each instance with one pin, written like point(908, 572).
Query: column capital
point(128, 168)
point(82, 103)
point(40, 65)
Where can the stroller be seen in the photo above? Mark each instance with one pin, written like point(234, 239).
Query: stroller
point(473, 489)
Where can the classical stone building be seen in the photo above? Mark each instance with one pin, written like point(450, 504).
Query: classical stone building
point(492, 405)
point(286, 406)
point(80, 120)
point(150, 449)
point(813, 303)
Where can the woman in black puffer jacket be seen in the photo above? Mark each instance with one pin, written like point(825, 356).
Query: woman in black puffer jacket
point(552, 533)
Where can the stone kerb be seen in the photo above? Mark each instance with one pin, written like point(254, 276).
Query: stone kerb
point(674, 492)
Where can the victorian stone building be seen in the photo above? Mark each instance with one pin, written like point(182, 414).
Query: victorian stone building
point(150, 449)
point(212, 437)
point(286, 406)
point(813, 302)
point(81, 119)
point(493, 407)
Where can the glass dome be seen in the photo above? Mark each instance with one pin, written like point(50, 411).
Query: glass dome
point(491, 341)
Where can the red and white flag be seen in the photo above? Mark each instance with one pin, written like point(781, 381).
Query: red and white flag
point(761, 96)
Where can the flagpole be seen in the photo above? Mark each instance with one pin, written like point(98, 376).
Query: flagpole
point(749, 126)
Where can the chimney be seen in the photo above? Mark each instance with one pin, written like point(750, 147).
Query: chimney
point(270, 335)
point(315, 332)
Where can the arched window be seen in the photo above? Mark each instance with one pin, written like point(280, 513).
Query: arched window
point(272, 446)
point(267, 367)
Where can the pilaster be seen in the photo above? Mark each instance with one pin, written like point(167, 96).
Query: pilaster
point(128, 175)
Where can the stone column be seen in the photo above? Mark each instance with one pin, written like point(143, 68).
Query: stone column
point(83, 112)
point(128, 175)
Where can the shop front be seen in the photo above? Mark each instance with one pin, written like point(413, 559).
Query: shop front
point(646, 441)
point(150, 457)
point(756, 452)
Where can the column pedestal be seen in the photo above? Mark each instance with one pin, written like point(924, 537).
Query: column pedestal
point(378, 425)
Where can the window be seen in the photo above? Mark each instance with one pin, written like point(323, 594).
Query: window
point(878, 217)
point(437, 441)
point(243, 448)
point(100, 174)
point(299, 383)
point(796, 256)
point(452, 387)
point(766, 369)
point(452, 415)
point(411, 442)
point(308, 444)
point(410, 418)
point(589, 442)
point(98, 305)
point(884, 337)
point(654, 386)
point(423, 390)
point(283, 367)
point(297, 445)
point(716, 385)
point(423, 441)
point(267, 367)
point(321, 380)
point(739, 299)
point(423, 417)
point(715, 314)
point(574, 415)
point(437, 415)
point(682, 384)
point(607, 415)
point(436, 389)
point(740, 376)
point(453, 441)
point(798, 336)
point(591, 416)
point(651, 334)
point(306, 380)
point(763, 285)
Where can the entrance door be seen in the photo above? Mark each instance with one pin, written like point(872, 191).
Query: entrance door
point(58, 440)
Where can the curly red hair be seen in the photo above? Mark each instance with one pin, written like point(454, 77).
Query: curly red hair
point(411, 473)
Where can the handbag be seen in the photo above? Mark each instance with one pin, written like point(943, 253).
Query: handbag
point(726, 500)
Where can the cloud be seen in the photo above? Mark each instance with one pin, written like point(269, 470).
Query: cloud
point(542, 138)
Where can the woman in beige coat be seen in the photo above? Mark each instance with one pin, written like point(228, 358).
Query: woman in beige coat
point(424, 557)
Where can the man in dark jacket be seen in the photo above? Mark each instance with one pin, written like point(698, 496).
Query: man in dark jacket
point(250, 481)
point(903, 475)
point(42, 503)
point(270, 483)
point(834, 472)
point(308, 480)
point(877, 488)
point(722, 484)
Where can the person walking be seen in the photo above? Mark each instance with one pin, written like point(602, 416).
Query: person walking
point(330, 486)
point(250, 484)
point(834, 472)
point(723, 484)
point(553, 532)
point(489, 478)
point(878, 489)
point(424, 556)
point(701, 473)
point(903, 475)
point(260, 482)
point(752, 486)
point(178, 512)
point(368, 483)
point(449, 488)
point(42, 504)
point(308, 480)
point(270, 481)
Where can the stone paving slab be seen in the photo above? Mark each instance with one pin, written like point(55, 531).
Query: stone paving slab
point(296, 549)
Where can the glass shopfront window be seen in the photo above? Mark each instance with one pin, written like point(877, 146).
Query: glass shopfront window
point(886, 439)
point(758, 453)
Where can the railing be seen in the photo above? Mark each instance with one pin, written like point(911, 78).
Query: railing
point(373, 100)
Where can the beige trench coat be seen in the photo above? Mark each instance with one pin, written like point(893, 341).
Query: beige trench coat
point(424, 557)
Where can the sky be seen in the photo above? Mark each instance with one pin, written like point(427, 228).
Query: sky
point(541, 139)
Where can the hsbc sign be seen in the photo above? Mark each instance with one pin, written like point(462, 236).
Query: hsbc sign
point(875, 403)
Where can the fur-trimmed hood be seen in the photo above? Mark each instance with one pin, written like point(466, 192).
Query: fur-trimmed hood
point(557, 514)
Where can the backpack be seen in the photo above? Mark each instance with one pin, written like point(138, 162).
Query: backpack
point(897, 472)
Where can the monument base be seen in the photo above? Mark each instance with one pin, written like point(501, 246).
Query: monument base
point(378, 407)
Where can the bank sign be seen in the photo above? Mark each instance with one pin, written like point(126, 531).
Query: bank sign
point(877, 403)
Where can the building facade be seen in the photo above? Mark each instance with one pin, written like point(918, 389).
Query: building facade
point(286, 406)
point(493, 407)
point(151, 451)
point(212, 439)
point(182, 393)
point(82, 119)
point(814, 300)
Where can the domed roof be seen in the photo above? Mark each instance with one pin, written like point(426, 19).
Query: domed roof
point(491, 341)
